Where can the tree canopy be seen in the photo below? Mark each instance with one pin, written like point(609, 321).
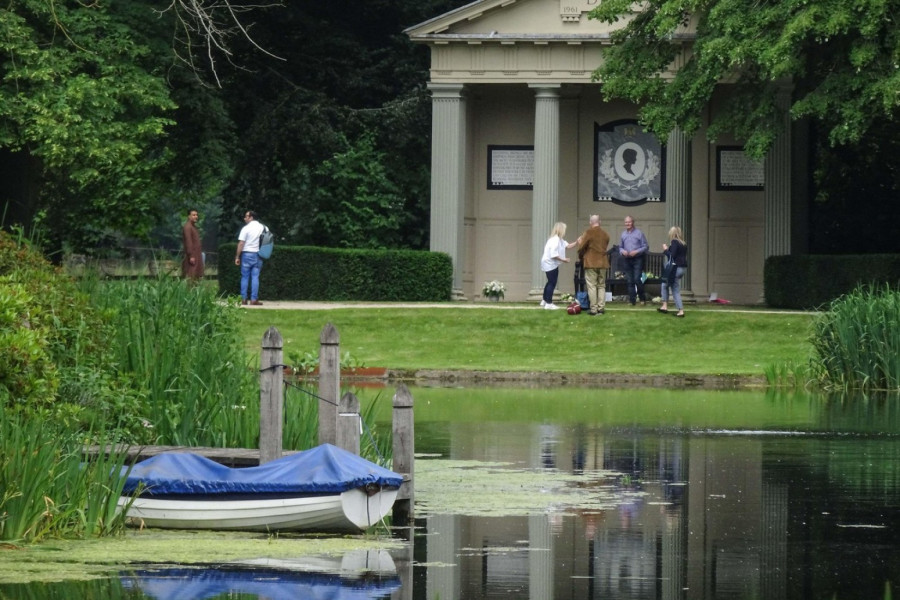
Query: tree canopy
point(842, 58)
point(115, 117)
point(80, 97)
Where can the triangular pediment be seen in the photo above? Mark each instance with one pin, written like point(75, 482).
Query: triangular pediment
point(515, 41)
point(553, 20)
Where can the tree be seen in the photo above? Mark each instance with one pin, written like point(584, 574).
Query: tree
point(368, 80)
point(78, 100)
point(363, 208)
point(842, 56)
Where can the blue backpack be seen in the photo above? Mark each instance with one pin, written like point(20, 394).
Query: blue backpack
point(266, 243)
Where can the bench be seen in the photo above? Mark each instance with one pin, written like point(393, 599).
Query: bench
point(615, 277)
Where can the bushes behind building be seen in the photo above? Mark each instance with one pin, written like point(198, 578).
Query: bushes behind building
point(812, 281)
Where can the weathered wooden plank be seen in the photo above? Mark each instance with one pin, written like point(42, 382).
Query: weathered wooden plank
point(233, 457)
point(329, 383)
point(271, 396)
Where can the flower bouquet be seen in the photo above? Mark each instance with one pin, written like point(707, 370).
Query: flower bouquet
point(493, 289)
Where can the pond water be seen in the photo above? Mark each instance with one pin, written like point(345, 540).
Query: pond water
point(619, 494)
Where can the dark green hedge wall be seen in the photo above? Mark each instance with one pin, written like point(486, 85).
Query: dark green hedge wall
point(307, 273)
point(813, 280)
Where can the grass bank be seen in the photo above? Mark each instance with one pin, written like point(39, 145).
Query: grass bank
point(714, 340)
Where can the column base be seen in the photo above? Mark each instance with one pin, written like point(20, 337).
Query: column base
point(457, 295)
point(688, 297)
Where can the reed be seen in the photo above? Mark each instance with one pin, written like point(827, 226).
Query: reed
point(857, 342)
point(183, 345)
point(47, 490)
point(792, 375)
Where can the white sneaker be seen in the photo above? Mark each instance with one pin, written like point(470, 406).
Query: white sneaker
point(543, 303)
point(550, 306)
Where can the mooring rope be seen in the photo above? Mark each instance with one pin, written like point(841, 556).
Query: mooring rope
point(363, 425)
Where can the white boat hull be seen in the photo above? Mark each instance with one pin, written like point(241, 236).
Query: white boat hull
point(350, 511)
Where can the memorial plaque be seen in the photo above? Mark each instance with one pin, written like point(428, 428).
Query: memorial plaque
point(629, 164)
point(737, 171)
point(510, 168)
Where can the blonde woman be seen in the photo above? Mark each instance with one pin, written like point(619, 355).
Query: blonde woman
point(554, 255)
point(676, 251)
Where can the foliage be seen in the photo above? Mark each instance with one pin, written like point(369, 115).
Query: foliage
point(302, 273)
point(362, 207)
point(45, 490)
point(183, 345)
point(305, 363)
point(54, 360)
point(363, 106)
point(856, 187)
point(840, 56)
point(797, 281)
point(79, 97)
point(857, 342)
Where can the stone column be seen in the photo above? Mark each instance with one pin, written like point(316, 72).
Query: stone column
point(545, 195)
point(778, 183)
point(678, 192)
point(448, 167)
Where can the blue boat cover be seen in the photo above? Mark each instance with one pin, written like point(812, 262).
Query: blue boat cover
point(189, 584)
point(325, 469)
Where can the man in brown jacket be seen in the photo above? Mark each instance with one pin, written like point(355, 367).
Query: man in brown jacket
point(593, 244)
point(192, 265)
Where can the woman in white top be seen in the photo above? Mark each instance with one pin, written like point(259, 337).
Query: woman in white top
point(554, 254)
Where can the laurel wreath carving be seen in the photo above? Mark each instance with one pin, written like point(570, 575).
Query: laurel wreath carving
point(651, 170)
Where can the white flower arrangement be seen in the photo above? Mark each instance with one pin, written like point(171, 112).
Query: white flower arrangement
point(493, 289)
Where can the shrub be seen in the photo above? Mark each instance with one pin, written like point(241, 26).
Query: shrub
point(307, 273)
point(54, 357)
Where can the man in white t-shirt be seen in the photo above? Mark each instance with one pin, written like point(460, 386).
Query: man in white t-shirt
point(247, 257)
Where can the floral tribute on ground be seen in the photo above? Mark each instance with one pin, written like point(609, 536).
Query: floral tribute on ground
point(493, 289)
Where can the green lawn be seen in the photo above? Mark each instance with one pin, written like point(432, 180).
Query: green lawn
point(710, 340)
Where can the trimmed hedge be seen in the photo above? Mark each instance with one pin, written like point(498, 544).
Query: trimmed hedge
point(309, 273)
point(813, 280)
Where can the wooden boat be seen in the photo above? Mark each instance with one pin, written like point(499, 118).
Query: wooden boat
point(324, 489)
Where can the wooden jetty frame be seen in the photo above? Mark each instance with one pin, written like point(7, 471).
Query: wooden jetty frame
point(340, 422)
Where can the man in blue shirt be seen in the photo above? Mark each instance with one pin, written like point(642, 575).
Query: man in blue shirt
point(632, 248)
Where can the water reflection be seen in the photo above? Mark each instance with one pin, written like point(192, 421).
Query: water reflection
point(201, 584)
point(718, 495)
point(355, 576)
point(782, 497)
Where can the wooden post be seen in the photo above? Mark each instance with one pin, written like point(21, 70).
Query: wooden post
point(404, 454)
point(271, 396)
point(329, 382)
point(348, 423)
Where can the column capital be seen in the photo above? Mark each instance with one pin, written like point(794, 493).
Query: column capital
point(446, 90)
point(546, 90)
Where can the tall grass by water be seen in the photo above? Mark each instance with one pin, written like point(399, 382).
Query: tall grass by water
point(182, 345)
point(857, 342)
point(45, 488)
point(201, 387)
